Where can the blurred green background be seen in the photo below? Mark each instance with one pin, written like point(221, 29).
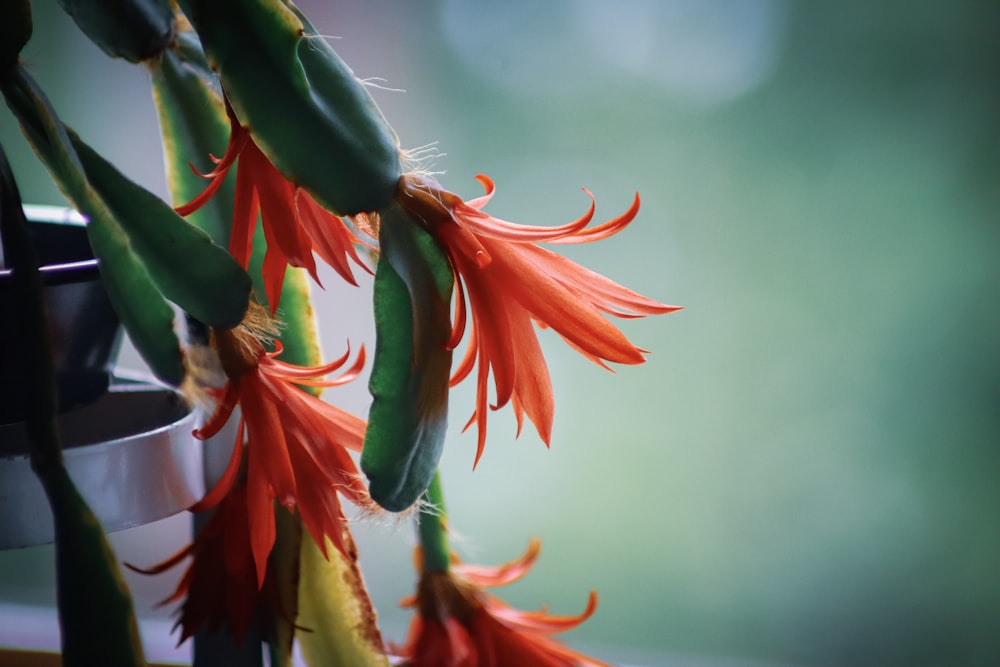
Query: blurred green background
point(807, 470)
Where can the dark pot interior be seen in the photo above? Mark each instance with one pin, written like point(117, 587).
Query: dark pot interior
point(84, 328)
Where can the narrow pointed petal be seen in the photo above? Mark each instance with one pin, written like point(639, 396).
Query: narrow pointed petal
point(245, 210)
point(267, 438)
point(533, 386)
point(605, 229)
point(277, 203)
point(561, 308)
point(260, 511)
point(237, 139)
point(491, 576)
point(223, 410)
point(541, 621)
point(225, 483)
point(331, 239)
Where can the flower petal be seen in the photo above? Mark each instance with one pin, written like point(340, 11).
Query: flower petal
point(501, 575)
point(266, 439)
point(260, 515)
point(225, 483)
point(330, 237)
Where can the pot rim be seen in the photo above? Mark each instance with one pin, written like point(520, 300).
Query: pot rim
point(57, 273)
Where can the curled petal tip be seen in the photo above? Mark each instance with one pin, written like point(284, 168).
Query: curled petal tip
point(591, 605)
point(486, 182)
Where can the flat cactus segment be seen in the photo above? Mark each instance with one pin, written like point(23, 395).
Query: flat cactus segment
point(304, 108)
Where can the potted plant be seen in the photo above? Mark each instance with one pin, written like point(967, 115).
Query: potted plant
point(280, 159)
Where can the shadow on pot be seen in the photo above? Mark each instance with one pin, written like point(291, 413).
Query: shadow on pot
point(85, 330)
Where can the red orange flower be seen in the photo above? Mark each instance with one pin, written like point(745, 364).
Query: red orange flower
point(220, 585)
point(458, 624)
point(294, 224)
point(297, 445)
point(292, 447)
point(510, 282)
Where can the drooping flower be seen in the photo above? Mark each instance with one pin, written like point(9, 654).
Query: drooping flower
point(458, 624)
point(511, 282)
point(294, 225)
point(295, 445)
point(219, 587)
